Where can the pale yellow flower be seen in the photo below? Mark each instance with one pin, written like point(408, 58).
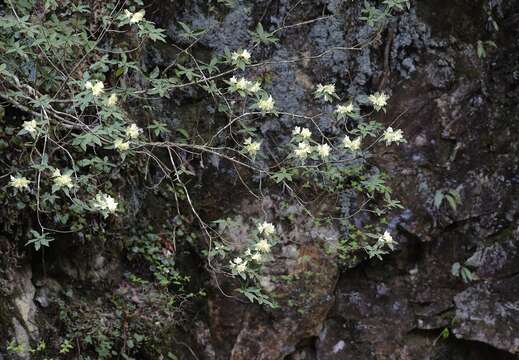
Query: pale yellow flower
point(379, 100)
point(134, 17)
point(64, 180)
point(243, 55)
point(263, 246)
point(243, 84)
point(252, 147)
point(19, 182)
point(302, 150)
point(256, 257)
point(121, 145)
point(345, 110)
point(323, 150)
point(31, 127)
point(133, 131)
point(353, 145)
point(105, 202)
point(254, 88)
point(391, 136)
point(387, 239)
point(325, 91)
point(241, 267)
point(266, 228)
point(266, 104)
point(238, 264)
point(306, 133)
point(97, 88)
point(112, 100)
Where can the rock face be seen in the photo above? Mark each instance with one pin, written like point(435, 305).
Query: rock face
point(459, 113)
point(24, 314)
point(460, 121)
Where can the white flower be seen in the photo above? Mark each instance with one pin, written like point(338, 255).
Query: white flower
point(112, 100)
point(345, 110)
point(19, 182)
point(104, 202)
point(233, 80)
point(134, 17)
point(241, 55)
point(302, 150)
point(31, 127)
point(254, 88)
point(266, 104)
point(252, 147)
point(323, 150)
point(325, 91)
point(97, 88)
point(379, 100)
point(263, 246)
point(238, 264)
point(248, 252)
point(256, 257)
point(121, 145)
point(391, 136)
point(133, 131)
point(353, 145)
point(60, 180)
point(241, 267)
point(305, 133)
point(387, 239)
point(243, 84)
point(266, 228)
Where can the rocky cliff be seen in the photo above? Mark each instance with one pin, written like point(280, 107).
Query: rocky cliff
point(458, 108)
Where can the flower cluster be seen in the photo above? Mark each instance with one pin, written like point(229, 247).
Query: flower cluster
point(265, 104)
point(243, 86)
point(256, 253)
point(252, 147)
point(243, 55)
point(378, 249)
point(62, 180)
point(121, 145)
point(30, 127)
point(133, 131)
point(327, 92)
point(348, 110)
point(323, 150)
point(393, 136)
point(19, 182)
point(378, 100)
point(303, 150)
point(97, 87)
point(112, 100)
point(134, 18)
point(387, 239)
point(240, 58)
point(304, 133)
point(104, 203)
point(353, 145)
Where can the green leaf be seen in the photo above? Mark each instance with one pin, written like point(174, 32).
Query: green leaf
point(261, 36)
point(438, 199)
point(282, 175)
